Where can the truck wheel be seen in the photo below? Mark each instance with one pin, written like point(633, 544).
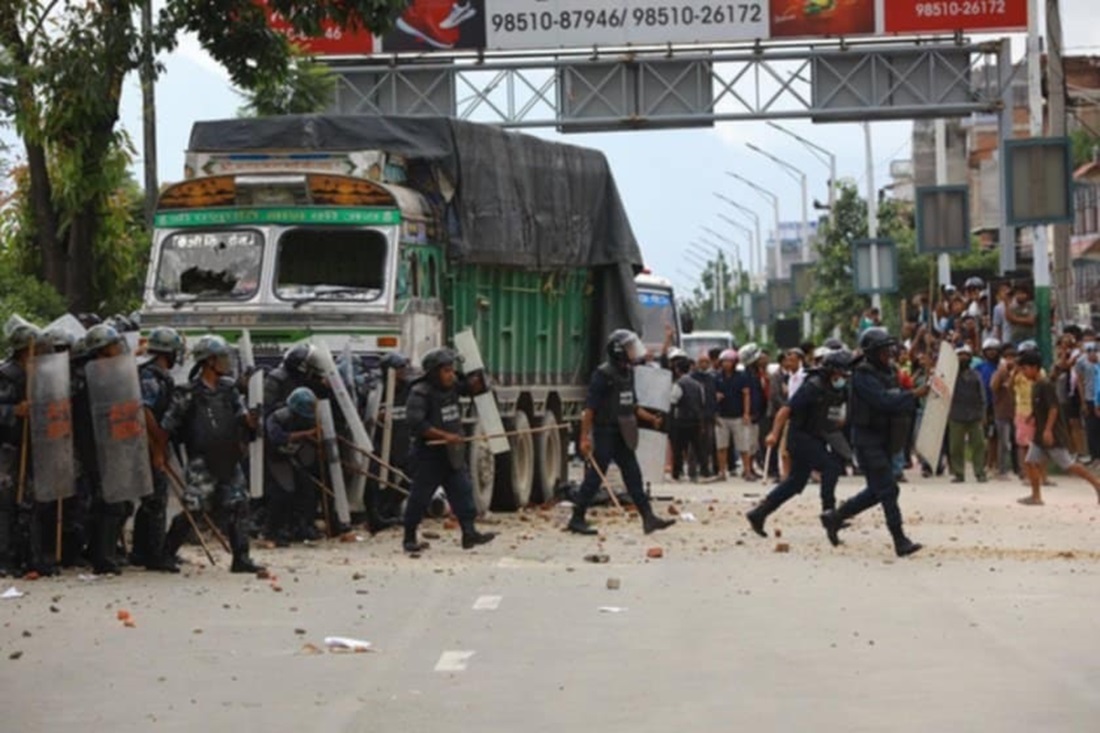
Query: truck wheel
point(549, 458)
point(483, 470)
point(518, 482)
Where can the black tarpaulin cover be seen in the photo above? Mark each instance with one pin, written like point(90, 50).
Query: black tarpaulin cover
point(520, 201)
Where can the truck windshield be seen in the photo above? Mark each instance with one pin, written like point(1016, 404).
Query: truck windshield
point(210, 265)
point(328, 264)
point(657, 312)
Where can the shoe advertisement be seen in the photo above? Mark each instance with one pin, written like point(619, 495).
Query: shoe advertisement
point(799, 18)
point(438, 25)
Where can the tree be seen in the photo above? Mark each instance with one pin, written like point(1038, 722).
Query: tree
point(306, 88)
point(833, 301)
point(62, 67)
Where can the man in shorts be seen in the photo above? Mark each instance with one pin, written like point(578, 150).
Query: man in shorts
point(1051, 441)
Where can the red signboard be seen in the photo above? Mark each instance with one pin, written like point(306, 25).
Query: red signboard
point(335, 42)
point(807, 18)
point(940, 16)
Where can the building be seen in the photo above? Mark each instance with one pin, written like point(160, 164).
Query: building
point(1085, 241)
point(790, 239)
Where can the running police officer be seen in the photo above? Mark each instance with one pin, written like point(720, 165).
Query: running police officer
point(812, 413)
point(20, 520)
point(210, 419)
point(880, 413)
point(165, 347)
point(291, 435)
point(609, 431)
point(383, 503)
point(434, 415)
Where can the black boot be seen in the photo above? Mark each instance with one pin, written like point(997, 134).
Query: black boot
point(471, 538)
point(651, 522)
point(759, 514)
point(103, 545)
point(411, 544)
point(238, 542)
point(579, 525)
point(904, 546)
point(833, 523)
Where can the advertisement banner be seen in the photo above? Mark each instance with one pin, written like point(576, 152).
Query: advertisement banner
point(336, 41)
point(809, 18)
point(946, 16)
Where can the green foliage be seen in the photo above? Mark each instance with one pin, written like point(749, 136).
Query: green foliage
point(1082, 144)
point(306, 88)
point(833, 300)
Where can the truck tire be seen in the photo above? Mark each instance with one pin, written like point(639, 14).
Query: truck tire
point(550, 458)
point(517, 481)
point(483, 470)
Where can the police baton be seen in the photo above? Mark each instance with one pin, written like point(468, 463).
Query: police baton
point(605, 482)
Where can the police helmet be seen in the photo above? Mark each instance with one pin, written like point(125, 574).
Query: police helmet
point(834, 344)
point(393, 360)
point(210, 346)
point(295, 359)
point(749, 354)
point(437, 358)
point(23, 337)
point(99, 337)
point(991, 345)
point(840, 360)
point(302, 402)
point(164, 340)
point(624, 347)
point(59, 339)
point(875, 339)
point(79, 350)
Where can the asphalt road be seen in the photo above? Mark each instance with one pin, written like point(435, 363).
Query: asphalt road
point(992, 628)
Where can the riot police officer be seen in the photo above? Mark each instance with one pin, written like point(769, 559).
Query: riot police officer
point(300, 367)
point(165, 346)
point(20, 521)
point(434, 415)
point(609, 431)
point(383, 504)
point(812, 414)
point(880, 413)
point(106, 518)
point(291, 434)
point(210, 419)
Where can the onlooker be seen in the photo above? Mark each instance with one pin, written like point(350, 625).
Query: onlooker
point(1002, 329)
point(748, 396)
point(1004, 410)
point(730, 409)
point(704, 374)
point(965, 421)
point(986, 368)
point(1021, 315)
point(1052, 435)
point(973, 290)
point(1086, 371)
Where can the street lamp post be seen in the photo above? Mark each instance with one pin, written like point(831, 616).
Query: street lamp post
point(825, 156)
point(719, 285)
point(756, 256)
point(774, 199)
point(735, 250)
point(741, 227)
point(799, 175)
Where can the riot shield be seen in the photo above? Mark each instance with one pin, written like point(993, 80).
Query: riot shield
point(654, 388)
point(118, 424)
point(332, 456)
point(51, 428)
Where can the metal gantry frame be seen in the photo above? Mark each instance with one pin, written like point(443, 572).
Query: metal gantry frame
point(880, 79)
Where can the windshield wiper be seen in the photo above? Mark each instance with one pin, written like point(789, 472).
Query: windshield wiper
point(321, 294)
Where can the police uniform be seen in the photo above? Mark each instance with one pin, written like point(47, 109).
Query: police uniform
point(290, 464)
point(22, 525)
point(613, 405)
point(814, 411)
point(432, 406)
point(151, 518)
point(880, 414)
point(210, 421)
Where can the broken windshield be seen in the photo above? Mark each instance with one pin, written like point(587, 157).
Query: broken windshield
point(331, 264)
point(210, 265)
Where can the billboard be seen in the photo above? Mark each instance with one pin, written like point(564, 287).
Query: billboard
point(526, 25)
point(336, 41)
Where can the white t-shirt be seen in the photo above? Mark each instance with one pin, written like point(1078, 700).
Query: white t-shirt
point(795, 382)
point(1001, 327)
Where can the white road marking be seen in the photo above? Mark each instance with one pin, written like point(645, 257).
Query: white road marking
point(453, 661)
point(487, 603)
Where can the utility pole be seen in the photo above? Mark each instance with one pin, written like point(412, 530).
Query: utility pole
point(1040, 252)
point(149, 113)
point(872, 212)
point(1056, 90)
